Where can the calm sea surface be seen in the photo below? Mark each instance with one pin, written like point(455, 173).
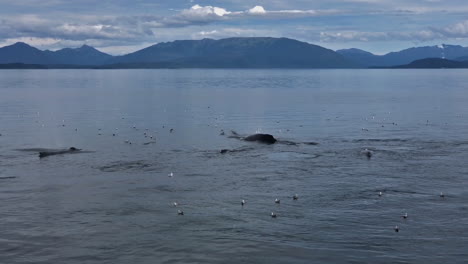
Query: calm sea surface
point(113, 202)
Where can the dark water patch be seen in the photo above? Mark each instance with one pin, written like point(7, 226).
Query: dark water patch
point(36, 149)
point(129, 210)
point(237, 150)
point(196, 175)
point(397, 140)
point(287, 142)
point(8, 178)
point(159, 188)
point(292, 156)
point(127, 165)
point(46, 152)
point(149, 143)
point(401, 191)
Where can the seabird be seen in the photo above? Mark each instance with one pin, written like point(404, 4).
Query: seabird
point(243, 202)
point(442, 195)
point(170, 174)
point(180, 212)
point(405, 216)
point(171, 130)
point(273, 215)
point(397, 229)
point(277, 201)
point(295, 197)
point(175, 204)
point(368, 153)
point(380, 194)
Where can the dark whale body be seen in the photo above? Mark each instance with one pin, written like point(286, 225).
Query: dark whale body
point(43, 154)
point(265, 139)
point(261, 138)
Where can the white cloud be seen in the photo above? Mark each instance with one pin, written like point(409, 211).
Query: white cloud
point(359, 36)
point(198, 10)
point(234, 32)
point(257, 10)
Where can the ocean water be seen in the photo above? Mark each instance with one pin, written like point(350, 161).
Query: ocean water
point(112, 203)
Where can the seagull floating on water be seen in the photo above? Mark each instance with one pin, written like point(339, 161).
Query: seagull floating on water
point(442, 195)
point(397, 229)
point(380, 194)
point(277, 201)
point(175, 204)
point(180, 212)
point(295, 197)
point(171, 174)
point(243, 202)
point(273, 215)
point(405, 216)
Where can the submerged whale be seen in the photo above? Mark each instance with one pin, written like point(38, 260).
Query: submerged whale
point(43, 154)
point(265, 139)
point(260, 138)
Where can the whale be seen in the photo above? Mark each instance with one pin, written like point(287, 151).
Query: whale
point(43, 154)
point(261, 138)
point(265, 139)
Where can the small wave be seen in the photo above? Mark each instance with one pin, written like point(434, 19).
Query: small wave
point(380, 140)
point(126, 165)
point(241, 149)
point(37, 149)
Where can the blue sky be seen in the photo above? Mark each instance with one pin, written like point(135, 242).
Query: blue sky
point(120, 26)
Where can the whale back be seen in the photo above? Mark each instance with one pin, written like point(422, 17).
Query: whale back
point(262, 138)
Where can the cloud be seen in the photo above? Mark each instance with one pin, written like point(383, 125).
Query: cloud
point(234, 32)
point(257, 10)
point(116, 25)
point(454, 31)
point(199, 15)
point(458, 30)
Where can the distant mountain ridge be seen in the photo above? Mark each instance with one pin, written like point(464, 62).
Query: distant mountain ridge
point(23, 53)
point(434, 63)
point(238, 53)
point(406, 56)
point(260, 52)
point(256, 52)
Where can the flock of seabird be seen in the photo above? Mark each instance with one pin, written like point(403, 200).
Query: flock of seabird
point(368, 153)
point(295, 197)
point(405, 216)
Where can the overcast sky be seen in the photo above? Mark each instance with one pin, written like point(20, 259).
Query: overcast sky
point(122, 26)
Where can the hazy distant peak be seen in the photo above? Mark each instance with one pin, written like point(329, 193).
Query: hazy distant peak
point(86, 47)
point(354, 51)
point(21, 45)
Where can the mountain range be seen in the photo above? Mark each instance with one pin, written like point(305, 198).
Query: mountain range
point(258, 52)
point(23, 53)
point(367, 59)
